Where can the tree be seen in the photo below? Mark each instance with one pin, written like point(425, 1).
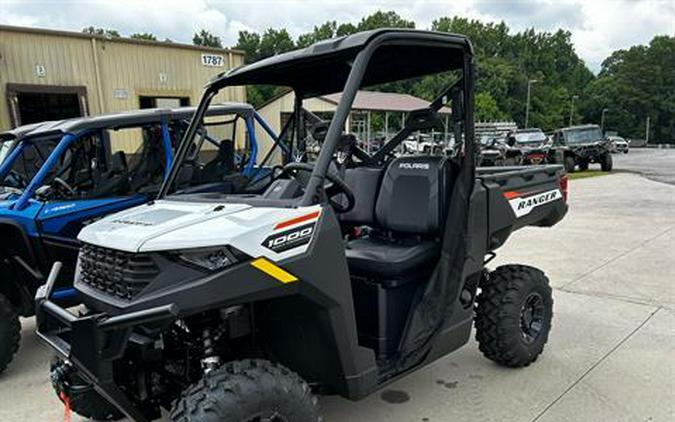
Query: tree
point(108, 33)
point(322, 32)
point(506, 62)
point(486, 109)
point(634, 84)
point(273, 42)
point(206, 39)
point(382, 19)
point(143, 36)
point(257, 47)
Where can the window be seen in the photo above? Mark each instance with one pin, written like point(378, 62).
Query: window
point(33, 154)
point(163, 102)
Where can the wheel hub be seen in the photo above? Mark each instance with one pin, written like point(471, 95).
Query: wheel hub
point(532, 317)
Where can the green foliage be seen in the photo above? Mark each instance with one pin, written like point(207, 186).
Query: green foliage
point(206, 39)
point(506, 62)
point(276, 41)
point(108, 33)
point(332, 29)
point(382, 19)
point(486, 109)
point(143, 36)
point(634, 84)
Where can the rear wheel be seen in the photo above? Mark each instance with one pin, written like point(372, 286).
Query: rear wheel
point(82, 397)
point(513, 315)
point(570, 164)
point(10, 332)
point(606, 162)
point(247, 391)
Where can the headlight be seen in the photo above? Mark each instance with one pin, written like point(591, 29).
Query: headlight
point(211, 259)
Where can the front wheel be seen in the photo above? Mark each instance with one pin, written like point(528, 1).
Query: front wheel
point(10, 332)
point(570, 164)
point(513, 315)
point(606, 162)
point(247, 391)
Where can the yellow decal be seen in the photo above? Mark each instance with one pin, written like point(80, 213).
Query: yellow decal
point(271, 269)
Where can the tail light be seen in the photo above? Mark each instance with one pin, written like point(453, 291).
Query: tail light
point(563, 186)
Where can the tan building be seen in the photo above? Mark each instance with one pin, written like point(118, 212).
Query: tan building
point(48, 75)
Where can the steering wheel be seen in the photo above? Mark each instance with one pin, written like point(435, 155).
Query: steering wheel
point(336, 187)
point(65, 185)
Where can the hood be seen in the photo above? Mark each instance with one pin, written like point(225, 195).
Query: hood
point(173, 225)
point(130, 229)
point(532, 146)
point(588, 144)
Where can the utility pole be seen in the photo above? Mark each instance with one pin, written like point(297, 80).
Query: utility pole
point(527, 104)
point(574, 97)
point(602, 120)
point(647, 131)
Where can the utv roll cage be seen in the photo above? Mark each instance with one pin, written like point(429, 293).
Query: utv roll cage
point(347, 64)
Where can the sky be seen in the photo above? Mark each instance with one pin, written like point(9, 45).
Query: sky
point(598, 27)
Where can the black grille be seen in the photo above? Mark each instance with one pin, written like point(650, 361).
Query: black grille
point(117, 273)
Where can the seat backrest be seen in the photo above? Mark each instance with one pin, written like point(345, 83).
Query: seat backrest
point(118, 162)
point(365, 184)
point(412, 196)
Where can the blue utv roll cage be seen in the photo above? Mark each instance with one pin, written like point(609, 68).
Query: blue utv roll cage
point(36, 231)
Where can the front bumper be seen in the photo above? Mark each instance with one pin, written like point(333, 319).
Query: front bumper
point(92, 343)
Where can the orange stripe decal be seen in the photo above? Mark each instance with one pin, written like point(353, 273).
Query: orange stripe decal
point(297, 220)
point(511, 194)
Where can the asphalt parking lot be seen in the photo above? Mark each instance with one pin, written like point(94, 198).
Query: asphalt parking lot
point(610, 354)
point(655, 164)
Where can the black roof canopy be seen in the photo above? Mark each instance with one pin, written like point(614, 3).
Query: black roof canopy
point(120, 120)
point(323, 68)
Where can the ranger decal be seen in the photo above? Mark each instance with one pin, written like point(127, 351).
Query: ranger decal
point(523, 205)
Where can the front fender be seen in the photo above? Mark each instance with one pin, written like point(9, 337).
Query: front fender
point(20, 271)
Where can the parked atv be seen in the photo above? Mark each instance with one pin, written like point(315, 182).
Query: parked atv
point(227, 308)
point(533, 144)
point(580, 146)
point(61, 176)
point(499, 152)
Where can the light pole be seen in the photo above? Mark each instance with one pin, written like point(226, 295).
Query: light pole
point(602, 120)
point(574, 97)
point(527, 104)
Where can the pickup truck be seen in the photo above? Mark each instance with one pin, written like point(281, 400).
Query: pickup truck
point(335, 277)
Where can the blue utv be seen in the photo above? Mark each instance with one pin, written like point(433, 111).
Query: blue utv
point(56, 177)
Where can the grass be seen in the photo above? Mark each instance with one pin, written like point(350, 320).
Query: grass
point(586, 174)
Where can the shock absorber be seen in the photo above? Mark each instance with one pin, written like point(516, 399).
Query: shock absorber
point(210, 359)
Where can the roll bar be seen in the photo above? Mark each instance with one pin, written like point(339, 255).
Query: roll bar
point(314, 192)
